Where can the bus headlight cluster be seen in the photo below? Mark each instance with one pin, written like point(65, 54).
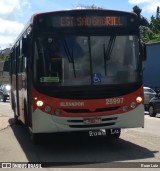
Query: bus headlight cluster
point(39, 103)
point(47, 109)
point(133, 105)
point(125, 108)
point(57, 112)
point(139, 99)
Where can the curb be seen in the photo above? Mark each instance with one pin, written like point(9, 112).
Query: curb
point(4, 122)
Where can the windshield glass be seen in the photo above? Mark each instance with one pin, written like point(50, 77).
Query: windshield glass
point(86, 60)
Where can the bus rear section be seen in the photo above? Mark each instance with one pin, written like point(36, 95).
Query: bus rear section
point(78, 70)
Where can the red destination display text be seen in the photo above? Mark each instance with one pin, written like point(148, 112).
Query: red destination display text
point(90, 21)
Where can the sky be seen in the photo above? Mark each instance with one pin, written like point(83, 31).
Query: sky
point(14, 14)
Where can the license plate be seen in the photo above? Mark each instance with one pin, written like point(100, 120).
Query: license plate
point(92, 120)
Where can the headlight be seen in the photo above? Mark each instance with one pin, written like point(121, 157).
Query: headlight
point(139, 99)
point(8, 87)
point(39, 103)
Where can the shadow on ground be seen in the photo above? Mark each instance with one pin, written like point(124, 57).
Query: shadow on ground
point(62, 150)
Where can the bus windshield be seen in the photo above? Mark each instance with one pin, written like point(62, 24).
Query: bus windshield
point(85, 60)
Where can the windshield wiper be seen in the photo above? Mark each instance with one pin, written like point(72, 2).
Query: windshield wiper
point(107, 53)
point(90, 59)
point(70, 56)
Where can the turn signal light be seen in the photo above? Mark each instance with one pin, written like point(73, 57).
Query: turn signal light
point(125, 108)
point(57, 112)
point(133, 105)
point(47, 109)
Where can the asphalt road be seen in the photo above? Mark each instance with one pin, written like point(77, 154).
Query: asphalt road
point(78, 150)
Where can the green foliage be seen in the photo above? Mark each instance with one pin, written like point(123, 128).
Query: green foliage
point(2, 57)
point(155, 38)
point(149, 31)
point(155, 25)
point(146, 33)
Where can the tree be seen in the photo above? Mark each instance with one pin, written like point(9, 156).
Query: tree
point(155, 25)
point(138, 11)
point(146, 33)
point(142, 20)
point(2, 57)
point(158, 13)
point(149, 31)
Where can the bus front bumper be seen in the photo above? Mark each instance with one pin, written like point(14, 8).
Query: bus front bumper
point(45, 123)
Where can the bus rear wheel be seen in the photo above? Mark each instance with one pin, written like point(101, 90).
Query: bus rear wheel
point(113, 133)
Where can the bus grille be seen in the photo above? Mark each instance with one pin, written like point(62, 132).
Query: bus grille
point(104, 119)
point(92, 125)
point(105, 122)
point(88, 111)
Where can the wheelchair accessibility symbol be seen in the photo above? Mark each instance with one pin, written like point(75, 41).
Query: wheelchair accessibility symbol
point(96, 77)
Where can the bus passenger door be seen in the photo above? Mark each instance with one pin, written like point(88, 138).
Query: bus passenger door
point(24, 89)
point(22, 84)
point(20, 87)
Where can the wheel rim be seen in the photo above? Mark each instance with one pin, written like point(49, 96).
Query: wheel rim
point(151, 110)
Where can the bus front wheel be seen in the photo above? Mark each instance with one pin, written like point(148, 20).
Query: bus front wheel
point(16, 118)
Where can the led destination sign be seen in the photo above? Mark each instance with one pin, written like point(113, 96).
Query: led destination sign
point(89, 21)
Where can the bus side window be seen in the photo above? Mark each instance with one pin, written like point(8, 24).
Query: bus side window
point(24, 46)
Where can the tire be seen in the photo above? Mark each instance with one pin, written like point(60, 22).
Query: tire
point(26, 114)
point(113, 133)
point(151, 110)
point(4, 99)
point(16, 120)
point(146, 107)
